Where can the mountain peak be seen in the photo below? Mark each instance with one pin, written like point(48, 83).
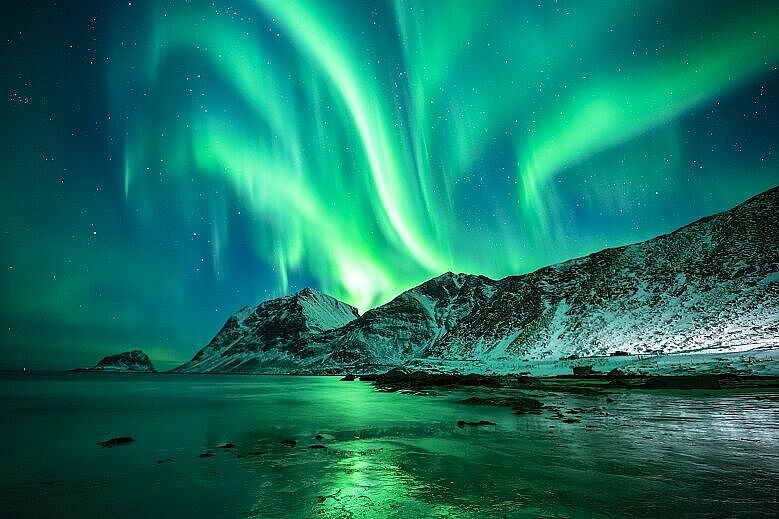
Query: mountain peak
point(270, 333)
point(447, 279)
point(308, 292)
point(135, 360)
point(708, 286)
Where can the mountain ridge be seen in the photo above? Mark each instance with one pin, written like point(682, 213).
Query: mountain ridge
point(712, 284)
point(262, 335)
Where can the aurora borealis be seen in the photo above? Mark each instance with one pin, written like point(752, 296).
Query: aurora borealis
point(165, 163)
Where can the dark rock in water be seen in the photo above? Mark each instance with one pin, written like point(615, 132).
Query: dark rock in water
point(167, 460)
point(134, 361)
point(317, 446)
point(583, 370)
point(519, 404)
point(619, 353)
point(618, 383)
point(348, 378)
point(556, 412)
point(570, 357)
point(463, 423)
point(478, 400)
point(368, 378)
point(523, 405)
point(610, 400)
point(571, 420)
point(397, 379)
point(683, 382)
point(289, 443)
point(226, 446)
point(205, 455)
point(319, 437)
point(616, 372)
point(119, 440)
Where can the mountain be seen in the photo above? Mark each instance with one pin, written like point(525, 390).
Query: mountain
point(128, 361)
point(275, 336)
point(712, 285)
point(411, 325)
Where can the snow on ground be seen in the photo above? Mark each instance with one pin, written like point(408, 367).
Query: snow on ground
point(764, 362)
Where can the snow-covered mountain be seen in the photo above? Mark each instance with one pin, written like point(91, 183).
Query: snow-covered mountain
point(275, 336)
point(712, 285)
point(128, 361)
point(412, 324)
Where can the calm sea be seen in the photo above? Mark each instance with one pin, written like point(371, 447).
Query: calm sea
point(658, 454)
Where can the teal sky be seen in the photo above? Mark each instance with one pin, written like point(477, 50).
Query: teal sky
point(164, 163)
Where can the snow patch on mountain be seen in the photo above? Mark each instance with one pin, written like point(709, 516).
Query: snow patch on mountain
point(710, 286)
point(275, 336)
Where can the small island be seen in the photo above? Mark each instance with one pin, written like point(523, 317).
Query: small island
point(135, 361)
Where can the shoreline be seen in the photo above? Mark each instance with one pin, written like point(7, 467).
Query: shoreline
point(422, 382)
point(755, 362)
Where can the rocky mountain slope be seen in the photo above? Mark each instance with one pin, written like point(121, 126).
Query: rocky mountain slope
point(275, 336)
point(128, 361)
point(710, 286)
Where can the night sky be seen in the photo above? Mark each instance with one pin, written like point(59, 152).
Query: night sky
point(165, 163)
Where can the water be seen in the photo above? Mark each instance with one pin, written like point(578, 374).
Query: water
point(646, 454)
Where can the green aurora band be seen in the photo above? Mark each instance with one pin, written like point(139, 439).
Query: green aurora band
point(376, 146)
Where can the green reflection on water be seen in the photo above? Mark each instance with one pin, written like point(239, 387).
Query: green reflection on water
point(387, 455)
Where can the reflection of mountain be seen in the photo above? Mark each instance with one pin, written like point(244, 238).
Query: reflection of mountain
point(712, 285)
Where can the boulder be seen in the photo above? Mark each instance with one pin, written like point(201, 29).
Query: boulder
point(583, 370)
point(615, 373)
point(113, 442)
point(463, 423)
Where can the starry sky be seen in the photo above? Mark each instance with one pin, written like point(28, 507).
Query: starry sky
point(167, 162)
